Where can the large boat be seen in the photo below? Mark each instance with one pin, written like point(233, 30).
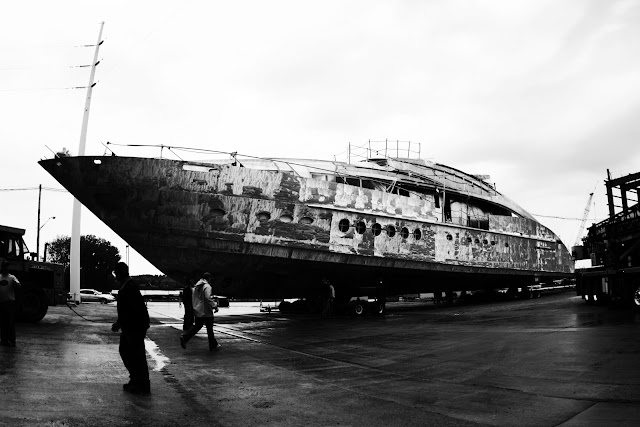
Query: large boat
point(272, 228)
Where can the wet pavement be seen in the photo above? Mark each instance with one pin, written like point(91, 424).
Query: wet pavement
point(543, 362)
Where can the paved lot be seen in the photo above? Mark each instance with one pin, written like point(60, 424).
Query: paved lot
point(545, 362)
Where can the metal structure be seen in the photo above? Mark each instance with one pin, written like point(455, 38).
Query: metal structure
point(613, 245)
point(584, 220)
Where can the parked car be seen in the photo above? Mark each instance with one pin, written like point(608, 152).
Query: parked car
point(91, 295)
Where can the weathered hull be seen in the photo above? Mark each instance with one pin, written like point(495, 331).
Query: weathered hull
point(274, 234)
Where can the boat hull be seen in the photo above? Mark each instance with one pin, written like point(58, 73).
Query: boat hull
point(267, 234)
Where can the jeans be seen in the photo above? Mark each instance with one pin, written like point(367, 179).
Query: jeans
point(8, 321)
point(200, 322)
point(188, 319)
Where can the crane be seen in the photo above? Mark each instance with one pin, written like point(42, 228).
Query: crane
point(584, 220)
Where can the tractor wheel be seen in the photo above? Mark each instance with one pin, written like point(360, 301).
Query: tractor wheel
point(32, 304)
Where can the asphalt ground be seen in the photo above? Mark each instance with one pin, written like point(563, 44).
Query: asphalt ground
point(543, 362)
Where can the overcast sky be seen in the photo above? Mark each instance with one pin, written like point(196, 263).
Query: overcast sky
point(543, 96)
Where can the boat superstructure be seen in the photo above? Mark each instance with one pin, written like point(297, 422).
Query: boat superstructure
point(274, 227)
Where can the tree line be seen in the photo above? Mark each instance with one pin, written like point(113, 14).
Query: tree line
point(98, 258)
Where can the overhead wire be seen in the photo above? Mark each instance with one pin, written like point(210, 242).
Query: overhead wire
point(61, 190)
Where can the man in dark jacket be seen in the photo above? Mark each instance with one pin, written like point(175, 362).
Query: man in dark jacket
point(186, 296)
point(133, 319)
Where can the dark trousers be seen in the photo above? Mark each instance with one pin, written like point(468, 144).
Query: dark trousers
point(134, 357)
point(8, 321)
point(188, 319)
point(327, 308)
point(200, 322)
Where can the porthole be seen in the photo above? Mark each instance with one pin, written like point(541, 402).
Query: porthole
point(506, 244)
point(263, 216)
point(97, 162)
point(449, 236)
point(217, 212)
point(286, 218)
point(361, 227)
point(469, 239)
point(493, 243)
point(306, 220)
point(343, 225)
point(391, 230)
point(417, 234)
point(477, 241)
point(376, 229)
point(404, 232)
point(484, 241)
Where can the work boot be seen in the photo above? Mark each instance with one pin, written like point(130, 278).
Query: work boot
point(143, 387)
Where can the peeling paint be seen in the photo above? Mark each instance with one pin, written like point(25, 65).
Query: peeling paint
point(160, 197)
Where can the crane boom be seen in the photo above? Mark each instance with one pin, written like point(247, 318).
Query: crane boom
point(584, 220)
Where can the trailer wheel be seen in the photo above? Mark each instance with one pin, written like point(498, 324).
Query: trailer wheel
point(32, 304)
point(636, 297)
point(357, 308)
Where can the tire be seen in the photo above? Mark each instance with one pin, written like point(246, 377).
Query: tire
point(32, 304)
point(358, 308)
point(636, 297)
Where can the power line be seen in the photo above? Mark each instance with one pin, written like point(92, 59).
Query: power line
point(60, 190)
point(561, 217)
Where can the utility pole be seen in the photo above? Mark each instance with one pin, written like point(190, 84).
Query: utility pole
point(38, 228)
point(74, 287)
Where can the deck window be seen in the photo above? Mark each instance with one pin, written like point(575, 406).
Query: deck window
point(306, 220)
point(343, 225)
point(286, 218)
point(263, 216)
point(404, 233)
point(391, 230)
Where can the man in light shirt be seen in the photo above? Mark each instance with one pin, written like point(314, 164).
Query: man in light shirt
point(8, 285)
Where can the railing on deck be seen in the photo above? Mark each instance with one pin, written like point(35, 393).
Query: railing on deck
point(384, 149)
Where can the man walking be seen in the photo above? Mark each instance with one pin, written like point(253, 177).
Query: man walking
point(203, 308)
point(133, 319)
point(329, 297)
point(187, 297)
point(8, 285)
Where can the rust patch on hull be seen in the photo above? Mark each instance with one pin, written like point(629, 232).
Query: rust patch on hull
point(243, 222)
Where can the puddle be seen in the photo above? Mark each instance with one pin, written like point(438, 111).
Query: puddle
point(159, 359)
